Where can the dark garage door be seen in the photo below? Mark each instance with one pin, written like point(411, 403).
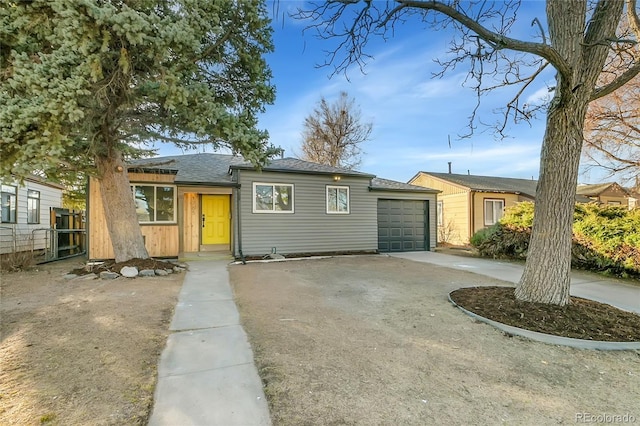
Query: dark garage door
point(402, 225)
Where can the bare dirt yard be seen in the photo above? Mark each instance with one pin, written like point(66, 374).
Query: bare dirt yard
point(373, 340)
point(81, 351)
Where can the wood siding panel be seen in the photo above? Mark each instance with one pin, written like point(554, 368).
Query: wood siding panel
point(433, 183)
point(23, 236)
point(160, 240)
point(455, 217)
point(309, 228)
point(100, 246)
point(151, 178)
point(191, 224)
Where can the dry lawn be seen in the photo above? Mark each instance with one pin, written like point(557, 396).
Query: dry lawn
point(373, 340)
point(81, 351)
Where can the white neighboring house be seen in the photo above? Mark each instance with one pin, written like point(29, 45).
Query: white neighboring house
point(26, 213)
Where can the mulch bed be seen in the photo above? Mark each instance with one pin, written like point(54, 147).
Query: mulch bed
point(580, 319)
point(112, 266)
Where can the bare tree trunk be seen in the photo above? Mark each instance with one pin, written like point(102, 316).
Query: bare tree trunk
point(547, 272)
point(119, 208)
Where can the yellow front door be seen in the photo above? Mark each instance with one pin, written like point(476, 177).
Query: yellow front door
point(216, 223)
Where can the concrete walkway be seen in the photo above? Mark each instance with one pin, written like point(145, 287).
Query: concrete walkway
point(206, 374)
point(583, 284)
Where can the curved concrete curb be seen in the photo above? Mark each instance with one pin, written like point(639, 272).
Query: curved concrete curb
point(549, 338)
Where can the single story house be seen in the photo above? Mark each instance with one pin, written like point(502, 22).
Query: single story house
point(215, 202)
point(26, 213)
point(610, 194)
point(469, 203)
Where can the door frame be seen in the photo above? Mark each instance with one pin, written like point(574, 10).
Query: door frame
point(225, 247)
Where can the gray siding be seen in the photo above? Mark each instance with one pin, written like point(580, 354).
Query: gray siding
point(23, 236)
point(401, 195)
point(309, 229)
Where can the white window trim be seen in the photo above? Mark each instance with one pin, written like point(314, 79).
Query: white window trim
point(6, 189)
point(484, 210)
point(337, 187)
point(155, 199)
point(273, 210)
point(29, 198)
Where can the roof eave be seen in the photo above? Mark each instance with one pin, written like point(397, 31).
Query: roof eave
point(305, 172)
point(424, 191)
point(200, 184)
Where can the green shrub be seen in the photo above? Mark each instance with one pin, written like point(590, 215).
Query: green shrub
point(605, 238)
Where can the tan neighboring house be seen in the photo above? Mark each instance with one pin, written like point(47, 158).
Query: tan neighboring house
point(470, 203)
point(610, 194)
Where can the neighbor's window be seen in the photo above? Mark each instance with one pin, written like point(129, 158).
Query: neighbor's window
point(8, 200)
point(155, 203)
point(439, 207)
point(493, 210)
point(33, 206)
point(338, 199)
point(272, 198)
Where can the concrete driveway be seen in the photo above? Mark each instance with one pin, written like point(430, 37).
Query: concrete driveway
point(588, 285)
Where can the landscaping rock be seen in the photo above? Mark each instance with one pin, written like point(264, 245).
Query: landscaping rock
point(108, 275)
point(161, 272)
point(70, 276)
point(129, 271)
point(178, 269)
point(169, 271)
point(178, 264)
point(147, 273)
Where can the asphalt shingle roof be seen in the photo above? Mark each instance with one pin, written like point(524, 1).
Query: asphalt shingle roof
point(491, 183)
point(193, 168)
point(214, 168)
point(392, 185)
point(296, 165)
point(593, 189)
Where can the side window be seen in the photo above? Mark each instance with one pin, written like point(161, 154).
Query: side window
point(493, 211)
point(33, 206)
point(272, 198)
point(439, 213)
point(8, 201)
point(155, 203)
point(338, 199)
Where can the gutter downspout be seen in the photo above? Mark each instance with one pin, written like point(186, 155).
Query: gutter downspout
point(472, 221)
point(239, 219)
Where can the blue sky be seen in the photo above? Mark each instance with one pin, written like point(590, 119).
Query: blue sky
point(414, 115)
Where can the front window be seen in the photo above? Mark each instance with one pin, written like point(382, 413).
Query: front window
point(8, 199)
point(33, 206)
point(338, 199)
point(440, 213)
point(272, 198)
point(155, 203)
point(493, 210)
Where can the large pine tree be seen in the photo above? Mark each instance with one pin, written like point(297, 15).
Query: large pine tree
point(85, 83)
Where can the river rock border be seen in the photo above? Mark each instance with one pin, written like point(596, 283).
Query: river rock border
point(131, 272)
point(549, 338)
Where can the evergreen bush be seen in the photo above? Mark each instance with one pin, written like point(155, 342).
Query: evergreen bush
point(605, 238)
